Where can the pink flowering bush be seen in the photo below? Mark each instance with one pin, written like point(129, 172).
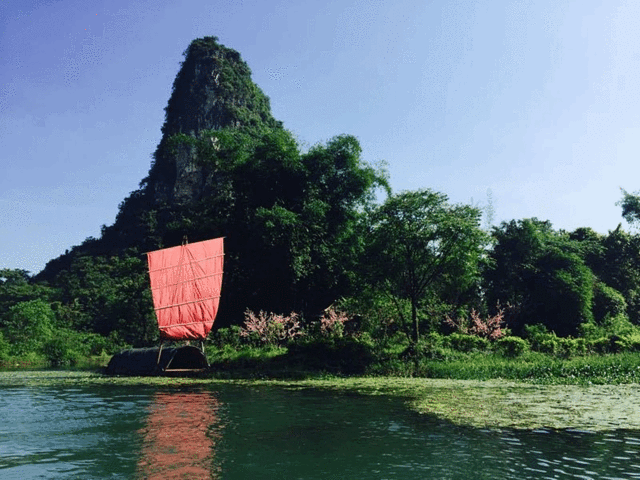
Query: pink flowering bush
point(331, 324)
point(489, 328)
point(271, 328)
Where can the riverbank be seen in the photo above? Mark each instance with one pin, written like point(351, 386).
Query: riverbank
point(530, 367)
point(484, 404)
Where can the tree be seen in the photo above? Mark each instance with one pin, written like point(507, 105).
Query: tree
point(421, 247)
point(106, 294)
point(630, 204)
point(541, 274)
point(17, 286)
point(28, 326)
point(615, 259)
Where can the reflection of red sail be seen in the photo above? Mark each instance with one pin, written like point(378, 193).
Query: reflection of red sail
point(178, 442)
point(185, 284)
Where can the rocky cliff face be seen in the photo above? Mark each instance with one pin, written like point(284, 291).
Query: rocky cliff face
point(212, 90)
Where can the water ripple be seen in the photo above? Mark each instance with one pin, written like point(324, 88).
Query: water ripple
point(261, 432)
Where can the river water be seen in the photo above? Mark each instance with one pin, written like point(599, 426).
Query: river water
point(239, 432)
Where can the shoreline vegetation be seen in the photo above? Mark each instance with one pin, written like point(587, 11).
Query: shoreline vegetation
point(470, 376)
point(590, 393)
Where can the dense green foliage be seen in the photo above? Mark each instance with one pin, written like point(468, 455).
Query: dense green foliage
point(630, 204)
point(541, 358)
point(290, 219)
point(38, 327)
point(428, 252)
point(305, 232)
point(542, 274)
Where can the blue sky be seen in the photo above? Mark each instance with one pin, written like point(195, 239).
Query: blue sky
point(536, 102)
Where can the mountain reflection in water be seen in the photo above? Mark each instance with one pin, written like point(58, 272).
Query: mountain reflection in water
point(179, 437)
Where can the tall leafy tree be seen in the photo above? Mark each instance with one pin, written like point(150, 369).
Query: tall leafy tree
point(106, 294)
point(615, 260)
point(28, 326)
point(17, 286)
point(630, 204)
point(422, 247)
point(541, 274)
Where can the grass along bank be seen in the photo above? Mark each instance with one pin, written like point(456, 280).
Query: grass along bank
point(344, 359)
point(354, 358)
point(533, 367)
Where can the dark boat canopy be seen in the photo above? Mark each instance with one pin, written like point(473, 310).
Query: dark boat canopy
point(144, 361)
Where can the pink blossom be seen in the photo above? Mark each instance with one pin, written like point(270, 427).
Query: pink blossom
point(332, 322)
point(490, 327)
point(271, 328)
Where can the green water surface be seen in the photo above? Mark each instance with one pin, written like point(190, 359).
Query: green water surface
point(226, 431)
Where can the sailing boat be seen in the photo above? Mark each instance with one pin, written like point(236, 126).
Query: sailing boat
point(186, 282)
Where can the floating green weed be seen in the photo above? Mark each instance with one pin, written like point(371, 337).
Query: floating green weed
point(487, 404)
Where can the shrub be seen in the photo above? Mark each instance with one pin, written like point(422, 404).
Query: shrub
point(28, 326)
point(541, 340)
point(348, 355)
point(59, 351)
point(536, 330)
point(570, 347)
point(618, 325)
point(432, 346)
point(629, 343)
point(601, 345)
point(331, 324)
point(607, 302)
point(28, 360)
point(271, 328)
point(511, 346)
point(111, 344)
point(466, 343)
point(431, 341)
point(67, 347)
point(547, 345)
point(590, 331)
point(489, 328)
point(227, 337)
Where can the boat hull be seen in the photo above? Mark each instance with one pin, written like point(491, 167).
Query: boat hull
point(183, 360)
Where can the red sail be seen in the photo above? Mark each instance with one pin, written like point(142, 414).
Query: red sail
point(185, 284)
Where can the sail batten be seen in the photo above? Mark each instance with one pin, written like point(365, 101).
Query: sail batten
point(185, 281)
point(187, 303)
point(185, 285)
point(195, 261)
